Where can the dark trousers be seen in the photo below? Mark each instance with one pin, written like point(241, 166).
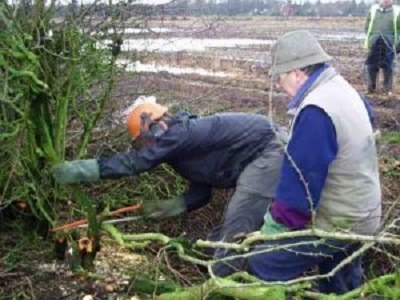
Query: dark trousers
point(284, 265)
point(372, 74)
point(381, 56)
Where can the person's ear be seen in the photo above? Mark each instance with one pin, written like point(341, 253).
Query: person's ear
point(301, 76)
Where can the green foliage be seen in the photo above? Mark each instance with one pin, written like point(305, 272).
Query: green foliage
point(390, 167)
point(386, 286)
point(54, 79)
point(146, 285)
point(392, 137)
point(225, 288)
point(94, 225)
point(18, 296)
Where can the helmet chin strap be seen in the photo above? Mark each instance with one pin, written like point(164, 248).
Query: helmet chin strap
point(149, 130)
point(158, 129)
point(147, 137)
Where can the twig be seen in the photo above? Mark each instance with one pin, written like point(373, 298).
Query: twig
point(158, 262)
point(33, 297)
point(177, 274)
point(11, 274)
point(388, 212)
point(79, 223)
point(389, 255)
point(257, 236)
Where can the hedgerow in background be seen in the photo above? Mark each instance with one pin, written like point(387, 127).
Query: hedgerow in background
point(54, 79)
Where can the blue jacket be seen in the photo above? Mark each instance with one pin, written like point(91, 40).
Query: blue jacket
point(208, 151)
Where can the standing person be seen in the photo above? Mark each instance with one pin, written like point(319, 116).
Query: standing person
point(219, 151)
point(382, 29)
point(331, 143)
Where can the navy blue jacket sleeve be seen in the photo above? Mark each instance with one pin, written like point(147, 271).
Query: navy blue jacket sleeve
point(197, 196)
point(313, 146)
point(140, 160)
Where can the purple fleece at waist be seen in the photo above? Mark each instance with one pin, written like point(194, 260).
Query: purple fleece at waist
point(291, 218)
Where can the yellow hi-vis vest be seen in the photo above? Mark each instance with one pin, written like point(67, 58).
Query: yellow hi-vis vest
point(374, 9)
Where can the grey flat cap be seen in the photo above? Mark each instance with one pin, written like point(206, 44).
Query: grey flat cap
point(295, 50)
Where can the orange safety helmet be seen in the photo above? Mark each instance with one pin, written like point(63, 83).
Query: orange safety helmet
point(153, 110)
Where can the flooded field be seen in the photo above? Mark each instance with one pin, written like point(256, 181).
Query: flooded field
point(225, 62)
point(238, 45)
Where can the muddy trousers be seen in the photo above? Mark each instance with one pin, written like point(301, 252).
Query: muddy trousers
point(245, 211)
point(293, 261)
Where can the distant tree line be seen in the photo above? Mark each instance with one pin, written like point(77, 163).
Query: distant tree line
point(227, 8)
point(274, 7)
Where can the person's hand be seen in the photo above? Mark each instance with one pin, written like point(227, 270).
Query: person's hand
point(271, 226)
point(75, 171)
point(164, 209)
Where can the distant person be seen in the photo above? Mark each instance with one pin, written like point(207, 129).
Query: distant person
point(287, 10)
point(228, 150)
point(382, 28)
point(332, 152)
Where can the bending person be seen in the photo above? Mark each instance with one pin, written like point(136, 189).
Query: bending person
point(219, 151)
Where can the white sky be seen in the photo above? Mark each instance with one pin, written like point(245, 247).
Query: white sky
point(327, 1)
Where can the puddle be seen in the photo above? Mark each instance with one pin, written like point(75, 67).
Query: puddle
point(185, 44)
point(137, 66)
point(342, 36)
point(140, 30)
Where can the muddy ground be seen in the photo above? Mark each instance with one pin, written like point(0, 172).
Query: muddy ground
point(32, 271)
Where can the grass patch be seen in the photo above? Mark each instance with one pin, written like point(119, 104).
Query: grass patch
point(391, 137)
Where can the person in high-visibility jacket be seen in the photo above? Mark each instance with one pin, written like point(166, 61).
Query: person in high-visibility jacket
point(382, 28)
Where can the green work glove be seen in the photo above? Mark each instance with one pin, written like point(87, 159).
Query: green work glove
point(164, 209)
point(271, 226)
point(86, 170)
